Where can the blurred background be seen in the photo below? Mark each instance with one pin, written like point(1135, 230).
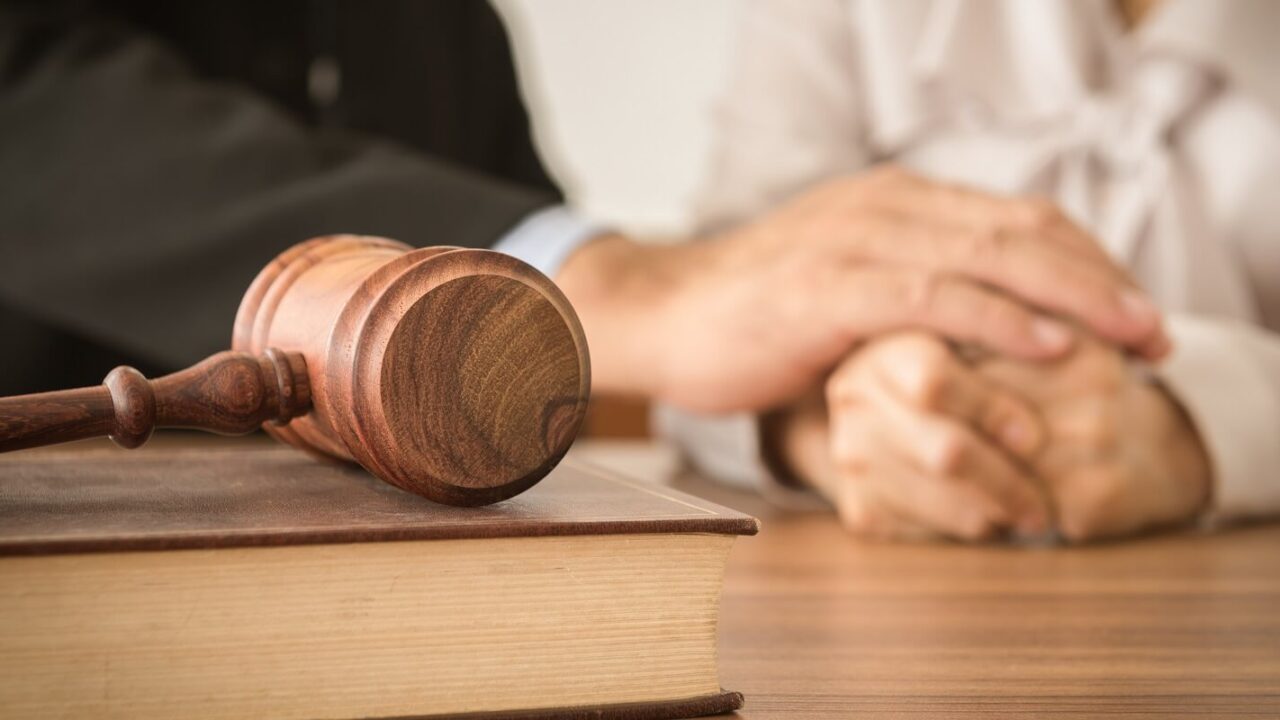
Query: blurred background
point(625, 136)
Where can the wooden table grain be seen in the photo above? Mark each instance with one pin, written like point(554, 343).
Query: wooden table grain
point(816, 625)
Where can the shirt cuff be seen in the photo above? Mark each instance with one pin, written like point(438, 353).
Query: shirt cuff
point(548, 237)
point(727, 448)
point(1219, 372)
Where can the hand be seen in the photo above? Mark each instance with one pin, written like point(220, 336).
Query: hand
point(1122, 456)
point(912, 443)
point(749, 319)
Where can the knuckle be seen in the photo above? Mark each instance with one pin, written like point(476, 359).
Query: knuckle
point(1001, 411)
point(915, 346)
point(925, 384)
point(973, 528)
point(995, 312)
point(859, 518)
point(859, 522)
point(1101, 428)
point(988, 246)
point(1085, 508)
point(843, 389)
point(1101, 369)
point(950, 453)
point(850, 458)
point(1041, 213)
point(918, 293)
point(838, 389)
point(1113, 376)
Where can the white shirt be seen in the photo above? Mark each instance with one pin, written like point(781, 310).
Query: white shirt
point(1164, 142)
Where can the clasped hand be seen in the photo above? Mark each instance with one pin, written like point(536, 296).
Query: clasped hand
point(910, 441)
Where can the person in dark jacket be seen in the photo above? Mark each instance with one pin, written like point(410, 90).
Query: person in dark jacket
point(153, 156)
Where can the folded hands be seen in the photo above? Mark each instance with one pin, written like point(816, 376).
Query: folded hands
point(912, 439)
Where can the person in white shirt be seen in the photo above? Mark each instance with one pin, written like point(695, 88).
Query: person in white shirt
point(116, 203)
point(1157, 140)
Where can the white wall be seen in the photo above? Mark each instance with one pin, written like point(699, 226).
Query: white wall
point(620, 92)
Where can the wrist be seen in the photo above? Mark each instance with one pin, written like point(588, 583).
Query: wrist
point(1189, 452)
point(794, 445)
point(620, 290)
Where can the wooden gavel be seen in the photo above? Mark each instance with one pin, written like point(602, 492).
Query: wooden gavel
point(461, 375)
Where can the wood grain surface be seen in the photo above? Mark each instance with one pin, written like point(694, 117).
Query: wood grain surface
point(816, 625)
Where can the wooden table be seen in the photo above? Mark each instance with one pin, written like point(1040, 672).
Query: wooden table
point(816, 625)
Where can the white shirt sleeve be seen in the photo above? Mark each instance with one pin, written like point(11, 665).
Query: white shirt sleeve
point(1226, 374)
point(727, 448)
point(548, 237)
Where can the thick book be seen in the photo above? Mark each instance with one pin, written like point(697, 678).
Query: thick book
point(254, 581)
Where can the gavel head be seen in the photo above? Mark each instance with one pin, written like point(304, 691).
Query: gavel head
point(461, 375)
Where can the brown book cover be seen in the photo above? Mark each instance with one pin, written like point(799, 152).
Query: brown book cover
point(186, 496)
point(103, 499)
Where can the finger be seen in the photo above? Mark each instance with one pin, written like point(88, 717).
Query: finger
point(1060, 281)
point(861, 510)
point(1157, 348)
point(1094, 502)
point(925, 501)
point(1030, 269)
point(951, 453)
point(869, 425)
point(926, 374)
point(880, 299)
point(884, 496)
point(865, 514)
point(1040, 219)
point(982, 211)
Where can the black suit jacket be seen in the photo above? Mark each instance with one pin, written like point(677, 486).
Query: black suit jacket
point(155, 155)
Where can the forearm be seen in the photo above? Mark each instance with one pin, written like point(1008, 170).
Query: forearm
point(1187, 451)
point(796, 444)
point(622, 290)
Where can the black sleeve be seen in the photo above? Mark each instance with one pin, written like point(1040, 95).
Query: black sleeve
point(138, 201)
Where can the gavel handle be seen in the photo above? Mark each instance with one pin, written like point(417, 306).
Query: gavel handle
point(230, 393)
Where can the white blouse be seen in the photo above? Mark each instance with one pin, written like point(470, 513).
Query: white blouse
point(1164, 142)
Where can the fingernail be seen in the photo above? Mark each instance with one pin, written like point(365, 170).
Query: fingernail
point(1050, 333)
point(1139, 307)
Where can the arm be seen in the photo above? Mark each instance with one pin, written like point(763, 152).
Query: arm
point(754, 316)
point(792, 115)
